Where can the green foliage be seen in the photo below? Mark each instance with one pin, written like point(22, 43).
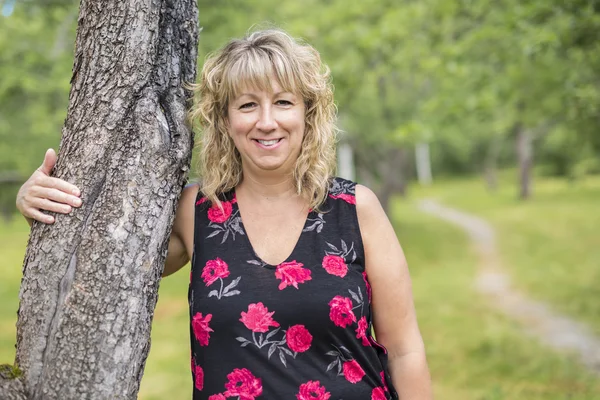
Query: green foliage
point(460, 74)
point(8, 371)
point(36, 46)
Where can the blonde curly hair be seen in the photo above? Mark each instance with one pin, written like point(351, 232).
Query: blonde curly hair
point(252, 61)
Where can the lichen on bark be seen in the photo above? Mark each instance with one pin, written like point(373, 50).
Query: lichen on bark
point(8, 371)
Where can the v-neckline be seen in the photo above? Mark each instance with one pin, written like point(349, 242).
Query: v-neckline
point(249, 243)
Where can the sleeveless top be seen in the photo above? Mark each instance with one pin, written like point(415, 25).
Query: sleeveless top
point(298, 330)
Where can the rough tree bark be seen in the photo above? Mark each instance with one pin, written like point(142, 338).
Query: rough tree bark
point(90, 281)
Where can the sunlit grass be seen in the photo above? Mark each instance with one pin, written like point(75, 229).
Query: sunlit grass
point(168, 373)
point(550, 244)
point(473, 351)
point(13, 241)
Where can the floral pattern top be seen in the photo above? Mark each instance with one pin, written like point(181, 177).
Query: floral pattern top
point(298, 330)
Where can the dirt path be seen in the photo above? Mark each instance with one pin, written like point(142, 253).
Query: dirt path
point(555, 330)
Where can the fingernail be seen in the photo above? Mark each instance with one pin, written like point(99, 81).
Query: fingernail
point(76, 192)
point(77, 202)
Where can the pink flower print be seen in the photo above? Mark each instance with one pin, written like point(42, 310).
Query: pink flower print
point(378, 394)
point(243, 384)
point(298, 338)
point(291, 274)
point(258, 318)
point(218, 214)
point(348, 198)
point(340, 311)
point(382, 375)
point(312, 390)
point(213, 270)
point(367, 284)
point(361, 331)
point(201, 200)
point(217, 397)
point(335, 265)
point(353, 372)
point(199, 374)
point(201, 328)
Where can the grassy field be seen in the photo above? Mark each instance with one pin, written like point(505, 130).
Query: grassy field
point(474, 352)
point(550, 244)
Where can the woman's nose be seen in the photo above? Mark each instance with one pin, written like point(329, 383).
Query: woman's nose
point(266, 121)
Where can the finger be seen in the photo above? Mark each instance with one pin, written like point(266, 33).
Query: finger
point(59, 184)
point(49, 162)
point(57, 196)
point(47, 205)
point(40, 216)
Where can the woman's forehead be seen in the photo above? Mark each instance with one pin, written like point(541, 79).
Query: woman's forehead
point(270, 85)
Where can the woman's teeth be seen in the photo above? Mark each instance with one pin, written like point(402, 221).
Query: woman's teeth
point(268, 142)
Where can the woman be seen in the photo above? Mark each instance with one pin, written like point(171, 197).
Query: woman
point(290, 267)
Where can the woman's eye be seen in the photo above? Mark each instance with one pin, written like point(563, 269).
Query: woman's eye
point(247, 105)
point(283, 103)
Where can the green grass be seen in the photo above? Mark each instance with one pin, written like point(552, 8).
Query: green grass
point(13, 240)
point(474, 352)
point(167, 374)
point(550, 244)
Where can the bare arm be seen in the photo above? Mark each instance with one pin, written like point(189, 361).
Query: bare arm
point(181, 243)
point(394, 314)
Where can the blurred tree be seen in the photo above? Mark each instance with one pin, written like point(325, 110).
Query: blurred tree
point(90, 281)
point(461, 75)
point(35, 56)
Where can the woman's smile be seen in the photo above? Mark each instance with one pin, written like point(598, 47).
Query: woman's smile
point(267, 128)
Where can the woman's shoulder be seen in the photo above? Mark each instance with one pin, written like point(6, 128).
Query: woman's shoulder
point(342, 189)
point(190, 192)
point(369, 210)
point(189, 197)
point(352, 192)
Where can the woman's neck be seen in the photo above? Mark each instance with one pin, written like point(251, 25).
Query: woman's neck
point(267, 187)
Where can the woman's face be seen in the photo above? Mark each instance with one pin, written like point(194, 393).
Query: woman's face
point(267, 128)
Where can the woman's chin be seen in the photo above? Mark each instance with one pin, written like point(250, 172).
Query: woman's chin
point(272, 164)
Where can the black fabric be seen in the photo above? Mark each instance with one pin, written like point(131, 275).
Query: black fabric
point(299, 330)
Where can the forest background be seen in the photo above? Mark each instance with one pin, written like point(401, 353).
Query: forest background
point(505, 98)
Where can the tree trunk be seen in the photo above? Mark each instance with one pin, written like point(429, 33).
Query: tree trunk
point(393, 171)
point(345, 161)
point(384, 170)
point(525, 157)
point(423, 163)
point(90, 280)
point(491, 164)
